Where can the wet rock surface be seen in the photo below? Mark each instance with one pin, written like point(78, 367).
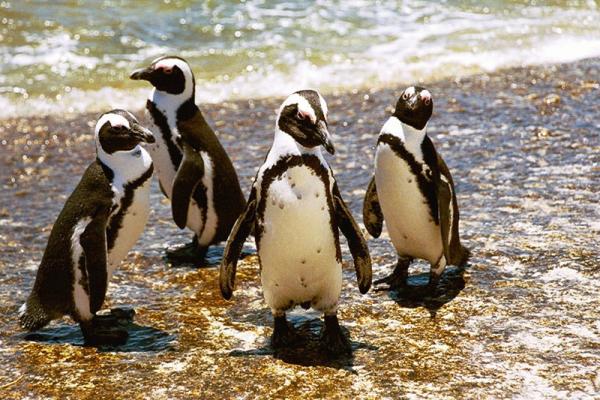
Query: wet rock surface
point(521, 320)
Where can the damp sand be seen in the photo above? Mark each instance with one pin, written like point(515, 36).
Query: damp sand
point(522, 320)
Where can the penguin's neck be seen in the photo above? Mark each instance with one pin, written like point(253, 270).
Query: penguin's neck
point(169, 104)
point(126, 166)
point(285, 145)
point(412, 138)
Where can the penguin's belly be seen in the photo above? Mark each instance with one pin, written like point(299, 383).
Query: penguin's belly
point(163, 166)
point(297, 248)
point(166, 172)
point(406, 211)
point(131, 228)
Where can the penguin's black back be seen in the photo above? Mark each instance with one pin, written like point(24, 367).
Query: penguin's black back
point(52, 292)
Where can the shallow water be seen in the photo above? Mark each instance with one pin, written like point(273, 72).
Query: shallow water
point(521, 321)
point(76, 56)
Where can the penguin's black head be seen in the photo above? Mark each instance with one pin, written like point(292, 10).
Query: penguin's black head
point(119, 130)
point(303, 115)
point(168, 74)
point(414, 107)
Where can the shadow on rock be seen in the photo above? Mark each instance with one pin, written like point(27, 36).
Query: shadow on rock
point(255, 316)
point(141, 338)
point(451, 284)
point(308, 351)
point(212, 258)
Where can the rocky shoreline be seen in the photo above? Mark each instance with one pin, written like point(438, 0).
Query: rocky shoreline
point(522, 320)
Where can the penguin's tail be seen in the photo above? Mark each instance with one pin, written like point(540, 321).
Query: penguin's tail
point(464, 257)
point(32, 315)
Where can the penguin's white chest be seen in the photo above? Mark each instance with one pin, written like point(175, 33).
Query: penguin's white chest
point(132, 225)
point(163, 166)
point(406, 212)
point(297, 249)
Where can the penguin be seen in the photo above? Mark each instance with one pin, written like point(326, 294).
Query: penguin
point(413, 191)
point(99, 223)
point(193, 169)
point(295, 208)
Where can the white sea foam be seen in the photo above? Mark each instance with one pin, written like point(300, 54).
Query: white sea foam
point(288, 48)
point(75, 102)
point(346, 75)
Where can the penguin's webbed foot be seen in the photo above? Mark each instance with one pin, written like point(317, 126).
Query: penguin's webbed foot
point(284, 334)
point(191, 253)
point(124, 315)
point(431, 288)
point(333, 340)
point(108, 329)
point(103, 331)
point(393, 281)
point(396, 279)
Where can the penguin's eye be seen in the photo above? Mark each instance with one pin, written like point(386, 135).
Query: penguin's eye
point(427, 101)
point(168, 71)
point(405, 96)
point(300, 116)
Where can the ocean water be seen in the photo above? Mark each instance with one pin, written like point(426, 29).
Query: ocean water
point(76, 56)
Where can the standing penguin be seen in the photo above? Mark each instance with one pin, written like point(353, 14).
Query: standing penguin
point(193, 169)
point(296, 209)
point(414, 192)
point(98, 225)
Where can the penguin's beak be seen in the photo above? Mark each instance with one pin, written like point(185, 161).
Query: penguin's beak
point(324, 137)
point(412, 103)
point(143, 134)
point(142, 74)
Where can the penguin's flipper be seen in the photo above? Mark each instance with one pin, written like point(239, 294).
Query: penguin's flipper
point(454, 251)
point(372, 215)
point(356, 241)
point(447, 211)
point(93, 242)
point(188, 176)
point(233, 248)
point(445, 207)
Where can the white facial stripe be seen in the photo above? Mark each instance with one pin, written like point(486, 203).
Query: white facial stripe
point(303, 106)
point(114, 119)
point(323, 105)
point(410, 91)
point(425, 94)
point(169, 63)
